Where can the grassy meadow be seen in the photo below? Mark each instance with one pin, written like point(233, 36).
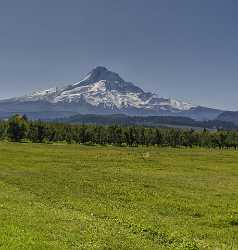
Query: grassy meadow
point(93, 197)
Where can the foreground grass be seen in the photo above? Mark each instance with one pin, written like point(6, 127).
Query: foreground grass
point(81, 197)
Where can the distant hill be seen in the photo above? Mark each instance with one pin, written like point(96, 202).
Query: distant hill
point(149, 121)
point(43, 115)
point(229, 116)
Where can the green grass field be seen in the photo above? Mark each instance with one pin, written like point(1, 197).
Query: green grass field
point(92, 197)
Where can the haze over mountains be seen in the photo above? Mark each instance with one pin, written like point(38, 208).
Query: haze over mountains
point(102, 92)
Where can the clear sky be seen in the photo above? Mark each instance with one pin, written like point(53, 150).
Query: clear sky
point(186, 49)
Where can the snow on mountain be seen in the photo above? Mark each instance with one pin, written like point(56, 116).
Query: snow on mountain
point(107, 89)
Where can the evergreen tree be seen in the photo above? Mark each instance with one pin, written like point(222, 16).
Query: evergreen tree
point(17, 128)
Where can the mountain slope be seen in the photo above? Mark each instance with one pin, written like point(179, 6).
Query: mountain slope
point(104, 92)
point(229, 116)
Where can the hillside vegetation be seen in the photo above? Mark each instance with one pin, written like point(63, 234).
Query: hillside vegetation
point(103, 197)
point(149, 121)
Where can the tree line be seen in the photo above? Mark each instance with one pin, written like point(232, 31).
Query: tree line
point(18, 128)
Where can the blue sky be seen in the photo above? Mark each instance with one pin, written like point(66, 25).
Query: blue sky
point(178, 48)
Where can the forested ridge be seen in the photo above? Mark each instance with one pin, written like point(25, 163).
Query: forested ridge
point(19, 128)
point(147, 121)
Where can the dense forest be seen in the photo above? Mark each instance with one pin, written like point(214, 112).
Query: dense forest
point(19, 128)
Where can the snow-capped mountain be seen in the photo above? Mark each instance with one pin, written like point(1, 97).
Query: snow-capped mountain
point(100, 92)
point(103, 87)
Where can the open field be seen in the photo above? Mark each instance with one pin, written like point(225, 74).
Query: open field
point(94, 197)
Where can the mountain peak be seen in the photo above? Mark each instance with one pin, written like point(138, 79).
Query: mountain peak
point(103, 90)
point(100, 69)
point(102, 73)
